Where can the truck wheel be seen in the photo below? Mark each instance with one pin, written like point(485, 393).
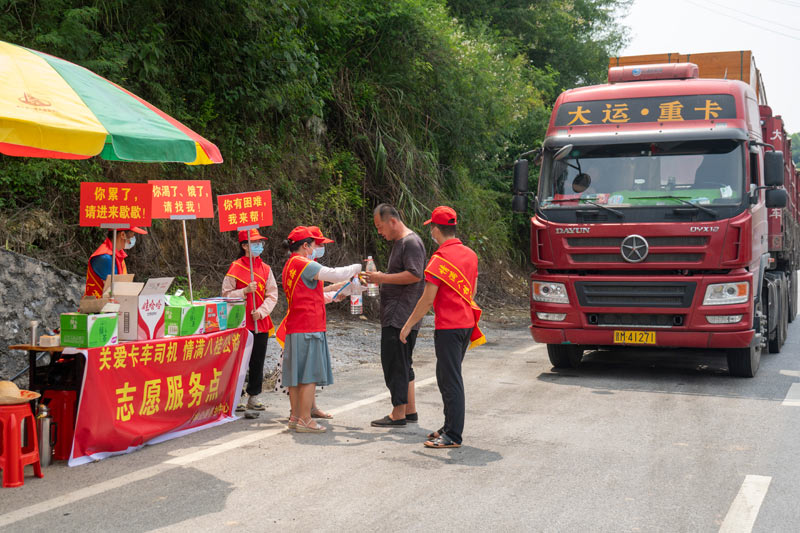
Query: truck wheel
point(565, 355)
point(743, 362)
point(785, 311)
point(793, 295)
point(774, 340)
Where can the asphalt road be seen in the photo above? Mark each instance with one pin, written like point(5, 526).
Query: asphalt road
point(632, 441)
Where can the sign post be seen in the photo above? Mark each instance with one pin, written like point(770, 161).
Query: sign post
point(115, 206)
point(243, 212)
point(183, 200)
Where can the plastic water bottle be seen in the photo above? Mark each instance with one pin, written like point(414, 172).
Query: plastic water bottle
point(356, 302)
point(372, 288)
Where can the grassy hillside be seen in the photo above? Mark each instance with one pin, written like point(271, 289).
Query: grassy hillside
point(334, 105)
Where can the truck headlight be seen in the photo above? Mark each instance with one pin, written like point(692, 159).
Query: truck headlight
point(724, 319)
point(555, 293)
point(557, 317)
point(727, 293)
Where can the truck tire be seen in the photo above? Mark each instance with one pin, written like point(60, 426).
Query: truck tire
point(781, 307)
point(743, 362)
point(565, 355)
point(774, 336)
point(793, 295)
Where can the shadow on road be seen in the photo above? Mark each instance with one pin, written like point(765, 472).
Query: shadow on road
point(685, 372)
point(150, 504)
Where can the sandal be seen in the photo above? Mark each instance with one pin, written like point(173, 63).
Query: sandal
point(442, 442)
point(292, 422)
point(318, 413)
point(436, 434)
point(306, 427)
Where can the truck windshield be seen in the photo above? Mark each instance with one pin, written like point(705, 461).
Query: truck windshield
point(702, 173)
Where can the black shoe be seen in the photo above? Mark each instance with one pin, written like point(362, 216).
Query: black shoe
point(387, 421)
point(413, 417)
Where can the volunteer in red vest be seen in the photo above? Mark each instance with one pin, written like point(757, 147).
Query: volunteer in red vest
point(306, 357)
point(451, 279)
point(237, 284)
point(99, 267)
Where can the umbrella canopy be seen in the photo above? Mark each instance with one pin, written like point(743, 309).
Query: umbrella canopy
point(56, 109)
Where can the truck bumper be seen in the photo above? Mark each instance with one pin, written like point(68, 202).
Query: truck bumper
point(664, 339)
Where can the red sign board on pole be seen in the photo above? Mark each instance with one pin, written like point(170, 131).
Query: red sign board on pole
point(182, 199)
point(115, 204)
point(245, 210)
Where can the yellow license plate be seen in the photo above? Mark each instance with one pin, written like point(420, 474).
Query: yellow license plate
point(634, 337)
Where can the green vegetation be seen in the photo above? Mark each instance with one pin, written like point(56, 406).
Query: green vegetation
point(796, 149)
point(335, 105)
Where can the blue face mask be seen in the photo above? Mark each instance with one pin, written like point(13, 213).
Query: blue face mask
point(318, 252)
point(131, 243)
point(256, 248)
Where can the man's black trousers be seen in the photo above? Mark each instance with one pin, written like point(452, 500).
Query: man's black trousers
point(451, 345)
point(396, 362)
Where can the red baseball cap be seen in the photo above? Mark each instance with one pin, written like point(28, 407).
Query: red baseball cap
point(446, 216)
point(138, 230)
point(254, 236)
point(300, 233)
point(318, 236)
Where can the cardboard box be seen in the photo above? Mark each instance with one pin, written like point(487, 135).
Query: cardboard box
point(90, 304)
point(236, 315)
point(231, 313)
point(142, 308)
point(89, 331)
point(216, 316)
point(183, 318)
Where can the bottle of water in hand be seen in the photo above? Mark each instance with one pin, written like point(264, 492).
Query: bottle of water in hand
point(372, 288)
point(356, 303)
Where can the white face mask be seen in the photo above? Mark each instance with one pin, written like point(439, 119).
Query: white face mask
point(318, 252)
point(130, 243)
point(256, 248)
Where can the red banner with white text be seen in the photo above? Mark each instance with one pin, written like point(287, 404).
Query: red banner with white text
point(136, 392)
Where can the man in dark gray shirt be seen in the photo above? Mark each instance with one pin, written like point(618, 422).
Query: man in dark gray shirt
point(401, 287)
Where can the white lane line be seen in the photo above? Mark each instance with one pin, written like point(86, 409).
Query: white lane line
point(744, 509)
point(792, 373)
point(528, 349)
point(99, 488)
point(792, 396)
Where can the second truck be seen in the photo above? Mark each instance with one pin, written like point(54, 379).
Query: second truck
point(666, 213)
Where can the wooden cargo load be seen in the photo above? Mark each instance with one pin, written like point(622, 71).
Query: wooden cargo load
point(736, 65)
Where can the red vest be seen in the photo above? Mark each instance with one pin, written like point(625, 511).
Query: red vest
point(240, 271)
point(94, 285)
point(455, 266)
point(306, 312)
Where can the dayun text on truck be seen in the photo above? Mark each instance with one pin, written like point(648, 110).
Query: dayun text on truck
point(666, 213)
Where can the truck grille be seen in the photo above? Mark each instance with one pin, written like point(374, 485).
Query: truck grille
point(616, 242)
point(635, 320)
point(635, 293)
point(651, 258)
point(579, 254)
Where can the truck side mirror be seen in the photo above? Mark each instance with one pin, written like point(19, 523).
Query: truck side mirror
point(521, 176)
point(519, 204)
point(773, 169)
point(775, 197)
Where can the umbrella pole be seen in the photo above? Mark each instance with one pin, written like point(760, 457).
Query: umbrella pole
point(113, 260)
point(252, 277)
point(188, 266)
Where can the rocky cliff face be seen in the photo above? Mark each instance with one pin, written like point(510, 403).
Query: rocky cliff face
point(31, 290)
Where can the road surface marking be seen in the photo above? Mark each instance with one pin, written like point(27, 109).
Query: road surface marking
point(744, 509)
point(793, 396)
point(117, 482)
point(528, 349)
point(792, 373)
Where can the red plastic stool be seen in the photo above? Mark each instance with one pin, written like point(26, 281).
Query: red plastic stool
point(13, 457)
point(62, 407)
